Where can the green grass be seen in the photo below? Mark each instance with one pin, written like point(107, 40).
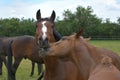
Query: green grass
point(24, 69)
point(113, 45)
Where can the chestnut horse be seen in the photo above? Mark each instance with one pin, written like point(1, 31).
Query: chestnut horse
point(78, 51)
point(32, 48)
point(105, 70)
point(4, 43)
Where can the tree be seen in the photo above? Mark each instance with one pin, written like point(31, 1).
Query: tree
point(82, 17)
point(16, 27)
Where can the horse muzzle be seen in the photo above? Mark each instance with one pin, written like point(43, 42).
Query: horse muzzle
point(43, 43)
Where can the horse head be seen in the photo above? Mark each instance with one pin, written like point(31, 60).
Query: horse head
point(44, 30)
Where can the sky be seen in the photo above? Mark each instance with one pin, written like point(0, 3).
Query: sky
point(28, 8)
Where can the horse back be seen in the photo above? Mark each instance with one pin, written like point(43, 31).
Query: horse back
point(26, 47)
point(96, 54)
point(105, 70)
point(114, 56)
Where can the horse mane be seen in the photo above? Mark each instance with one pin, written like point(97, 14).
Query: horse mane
point(106, 60)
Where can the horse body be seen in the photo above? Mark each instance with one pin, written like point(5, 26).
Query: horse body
point(20, 41)
point(24, 47)
point(79, 52)
point(29, 50)
point(105, 71)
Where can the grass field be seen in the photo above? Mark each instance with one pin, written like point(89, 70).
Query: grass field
point(113, 45)
point(24, 69)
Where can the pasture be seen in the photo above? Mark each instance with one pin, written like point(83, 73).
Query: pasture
point(24, 69)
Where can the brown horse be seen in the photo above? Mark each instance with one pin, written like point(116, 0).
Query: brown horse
point(80, 53)
point(105, 70)
point(24, 47)
point(31, 46)
point(4, 43)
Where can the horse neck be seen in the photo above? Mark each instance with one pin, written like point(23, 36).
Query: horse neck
point(54, 68)
point(83, 60)
point(52, 64)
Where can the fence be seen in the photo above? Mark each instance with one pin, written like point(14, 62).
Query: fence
point(105, 37)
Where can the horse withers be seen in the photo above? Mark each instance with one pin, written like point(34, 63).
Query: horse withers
point(105, 70)
point(80, 53)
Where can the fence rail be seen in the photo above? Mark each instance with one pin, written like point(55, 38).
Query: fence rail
point(105, 38)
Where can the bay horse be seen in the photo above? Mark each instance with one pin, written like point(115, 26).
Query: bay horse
point(54, 67)
point(22, 47)
point(31, 46)
point(4, 43)
point(105, 70)
point(78, 51)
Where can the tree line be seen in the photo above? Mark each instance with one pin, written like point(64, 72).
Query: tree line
point(83, 17)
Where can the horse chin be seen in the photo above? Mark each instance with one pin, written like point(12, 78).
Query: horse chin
point(43, 52)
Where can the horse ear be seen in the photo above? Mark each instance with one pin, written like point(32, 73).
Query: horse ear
point(53, 15)
point(79, 33)
point(38, 15)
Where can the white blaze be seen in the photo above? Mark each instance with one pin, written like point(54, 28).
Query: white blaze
point(44, 30)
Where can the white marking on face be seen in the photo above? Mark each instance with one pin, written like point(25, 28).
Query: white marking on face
point(44, 30)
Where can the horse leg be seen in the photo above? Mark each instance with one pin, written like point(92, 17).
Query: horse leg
point(33, 65)
point(3, 58)
point(1, 66)
point(39, 68)
point(14, 68)
point(41, 76)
